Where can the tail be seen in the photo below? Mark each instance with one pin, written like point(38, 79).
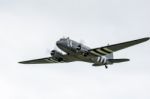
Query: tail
point(111, 60)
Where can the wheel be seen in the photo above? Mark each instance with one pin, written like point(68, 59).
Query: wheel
point(85, 54)
point(60, 59)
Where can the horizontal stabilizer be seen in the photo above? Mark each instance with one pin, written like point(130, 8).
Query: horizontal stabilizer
point(118, 60)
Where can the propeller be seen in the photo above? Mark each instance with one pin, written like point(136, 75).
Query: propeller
point(55, 48)
point(82, 42)
point(48, 50)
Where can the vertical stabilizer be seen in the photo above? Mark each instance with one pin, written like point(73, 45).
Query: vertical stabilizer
point(110, 56)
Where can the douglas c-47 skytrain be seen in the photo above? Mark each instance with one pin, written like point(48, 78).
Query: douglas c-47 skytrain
point(100, 56)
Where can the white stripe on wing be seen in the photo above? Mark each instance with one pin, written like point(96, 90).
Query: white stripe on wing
point(99, 50)
point(109, 50)
point(93, 52)
point(53, 60)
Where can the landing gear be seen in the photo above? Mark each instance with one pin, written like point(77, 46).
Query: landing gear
point(85, 54)
point(60, 59)
point(106, 66)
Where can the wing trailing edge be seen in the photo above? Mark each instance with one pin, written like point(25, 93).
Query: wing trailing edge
point(118, 60)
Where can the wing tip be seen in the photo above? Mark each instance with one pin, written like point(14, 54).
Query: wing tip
point(143, 39)
point(21, 62)
point(146, 38)
point(25, 62)
point(127, 59)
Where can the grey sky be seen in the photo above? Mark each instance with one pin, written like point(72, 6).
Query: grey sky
point(30, 28)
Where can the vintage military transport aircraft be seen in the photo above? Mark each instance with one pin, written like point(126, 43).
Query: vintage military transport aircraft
point(101, 56)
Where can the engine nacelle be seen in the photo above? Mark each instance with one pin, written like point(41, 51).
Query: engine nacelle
point(101, 60)
point(85, 53)
point(78, 47)
point(57, 55)
point(81, 50)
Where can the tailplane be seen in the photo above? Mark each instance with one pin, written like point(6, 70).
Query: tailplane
point(118, 60)
point(110, 59)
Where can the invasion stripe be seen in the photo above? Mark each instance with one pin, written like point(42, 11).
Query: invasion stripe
point(93, 52)
point(54, 60)
point(101, 51)
point(105, 51)
point(109, 50)
point(48, 60)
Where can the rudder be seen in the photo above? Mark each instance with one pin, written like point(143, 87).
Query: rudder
point(110, 56)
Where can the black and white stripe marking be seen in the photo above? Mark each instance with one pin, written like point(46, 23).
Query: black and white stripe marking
point(102, 51)
point(54, 60)
point(51, 60)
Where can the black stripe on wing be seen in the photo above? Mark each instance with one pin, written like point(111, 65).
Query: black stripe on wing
point(41, 61)
point(104, 49)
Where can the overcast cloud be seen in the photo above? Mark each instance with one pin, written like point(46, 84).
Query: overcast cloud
point(30, 28)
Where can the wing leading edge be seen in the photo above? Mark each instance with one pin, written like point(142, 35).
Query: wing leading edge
point(40, 61)
point(116, 47)
point(48, 60)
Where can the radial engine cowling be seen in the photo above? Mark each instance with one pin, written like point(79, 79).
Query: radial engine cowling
point(57, 55)
point(79, 47)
